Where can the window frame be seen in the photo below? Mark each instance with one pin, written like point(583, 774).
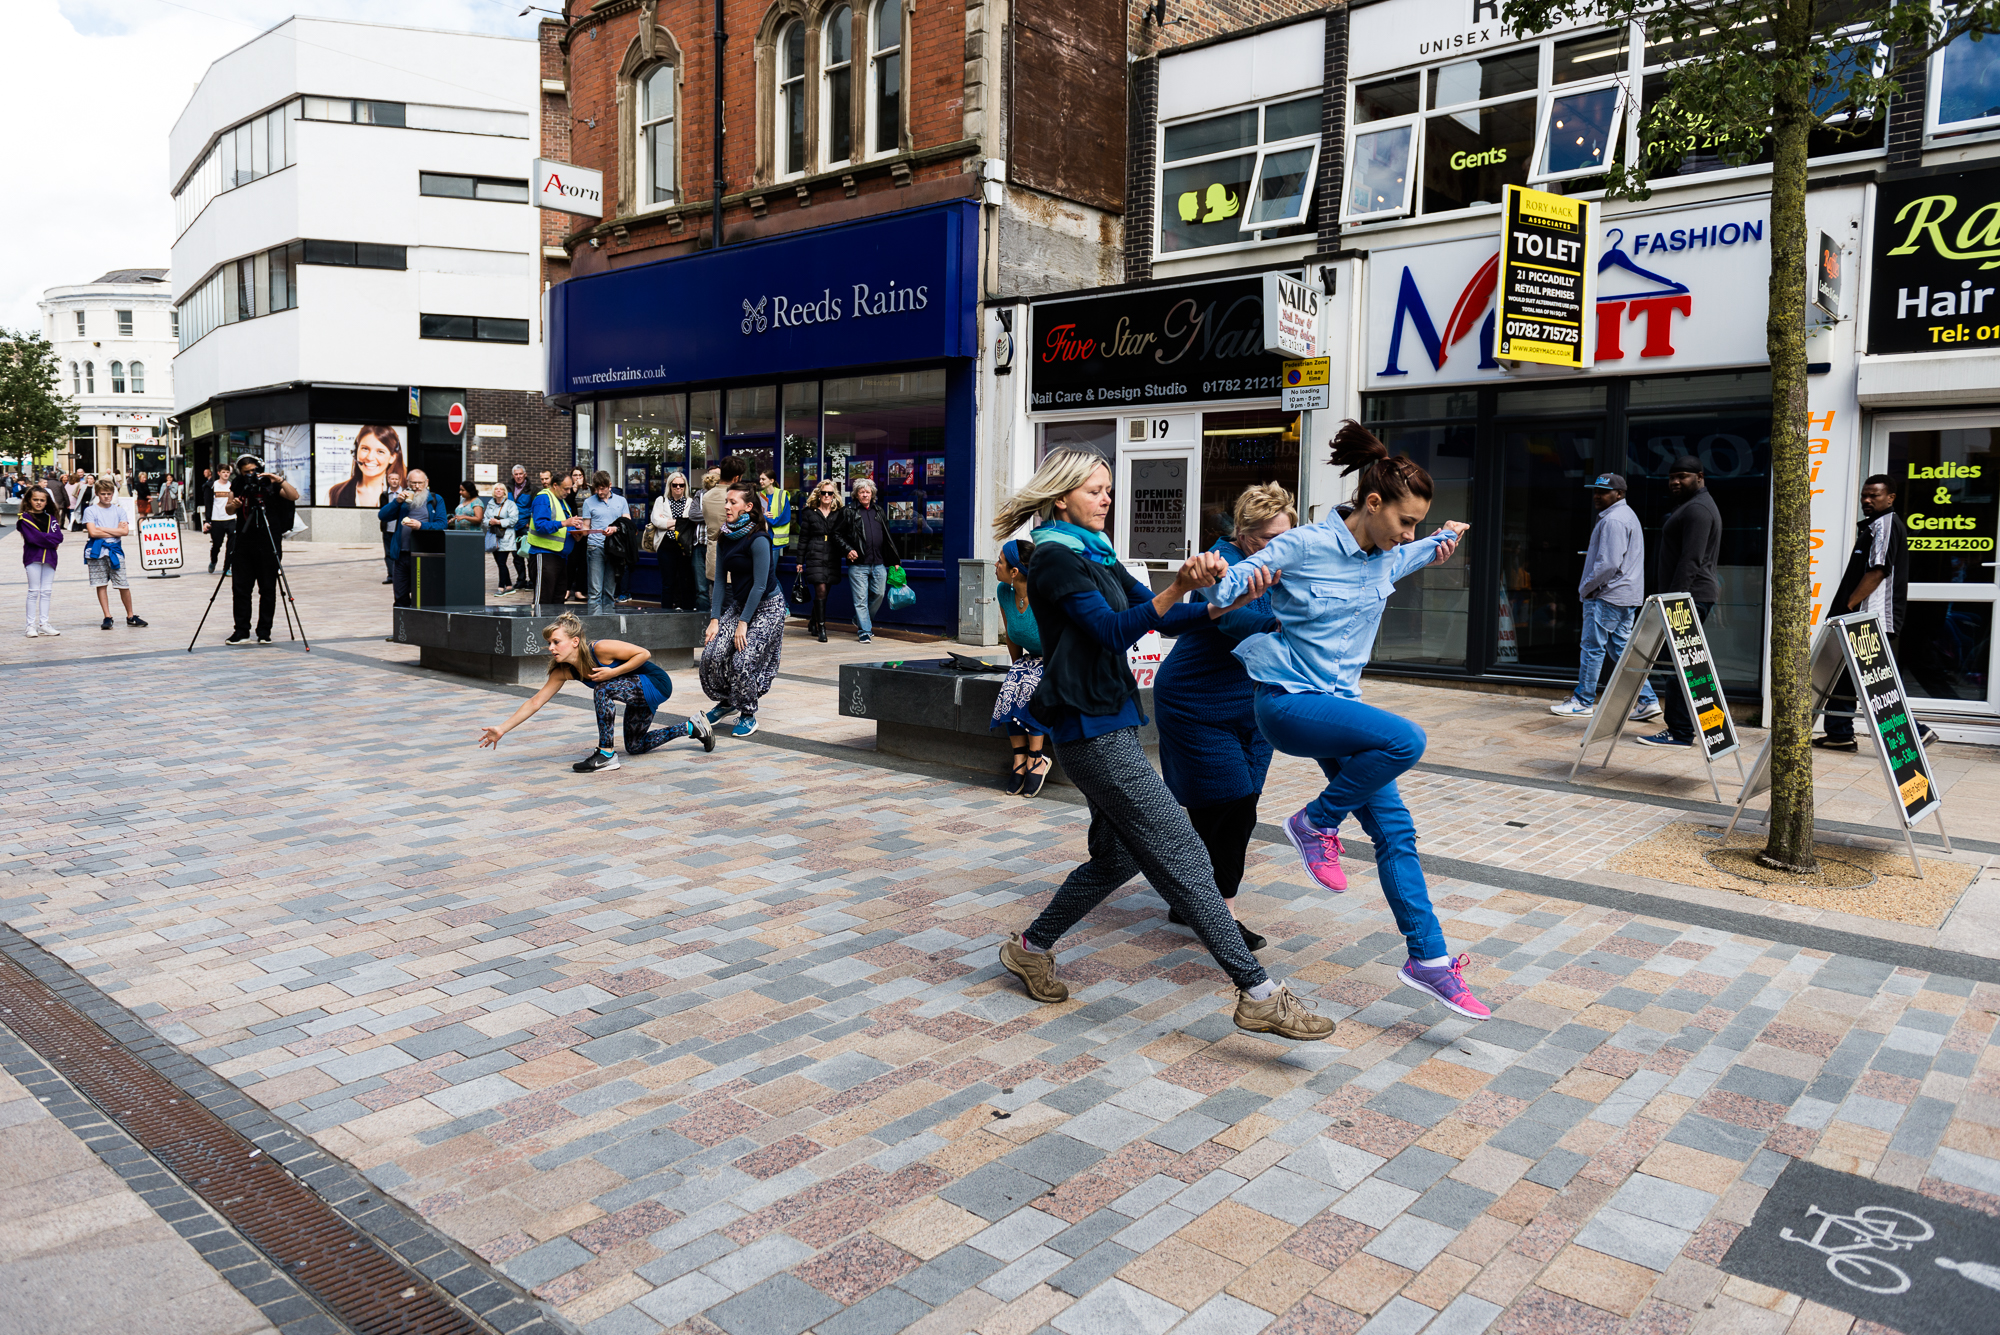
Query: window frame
point(1538, 170)
point(90, 377)
point(1956, 131)
point(823, 78)
point(786, 90)
point(873, 94)
point(643, 130)
point(82, 328)
point(136, 371)
point(480, 332)
point(1249, 236)
point(125, 323)
point(118, 377)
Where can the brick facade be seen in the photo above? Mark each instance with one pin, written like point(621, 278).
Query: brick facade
point(1142, 179)
point(1191, 21)
point(1906, 119)
point(555, 144)
point(537, 435)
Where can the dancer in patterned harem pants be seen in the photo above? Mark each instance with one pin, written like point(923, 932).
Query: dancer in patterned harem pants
point(734, 678)
point(746, 624)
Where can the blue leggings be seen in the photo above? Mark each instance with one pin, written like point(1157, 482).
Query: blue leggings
point(1362, 749)
point(640, 735)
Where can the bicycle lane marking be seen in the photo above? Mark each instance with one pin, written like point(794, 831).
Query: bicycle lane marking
point(1882, 1253)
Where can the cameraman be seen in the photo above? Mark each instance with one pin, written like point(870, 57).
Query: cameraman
point(263, 505)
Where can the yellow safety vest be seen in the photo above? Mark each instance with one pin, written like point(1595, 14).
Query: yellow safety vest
point(543, 541)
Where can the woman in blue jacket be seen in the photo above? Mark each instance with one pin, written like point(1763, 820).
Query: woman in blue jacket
point(1089, 612)
point(1334, 579)
point(1211, 754)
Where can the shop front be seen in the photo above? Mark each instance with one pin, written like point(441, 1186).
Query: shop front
point(843, 353)
point(1677, 367)
point(1171, 384)
point(1931, 380)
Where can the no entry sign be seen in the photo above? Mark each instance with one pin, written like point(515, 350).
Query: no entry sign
point(455, 419)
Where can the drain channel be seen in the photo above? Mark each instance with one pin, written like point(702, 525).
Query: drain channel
point(343, 1268)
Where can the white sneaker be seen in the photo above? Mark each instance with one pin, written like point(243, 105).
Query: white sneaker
point(47, 629)
point(32, 632)
point(1573, 708)
point(1645, 713)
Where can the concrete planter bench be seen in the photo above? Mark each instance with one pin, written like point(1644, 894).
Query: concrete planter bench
point(924, 711)
point(504, 643)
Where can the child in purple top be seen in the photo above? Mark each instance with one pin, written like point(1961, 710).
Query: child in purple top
point(41, 533)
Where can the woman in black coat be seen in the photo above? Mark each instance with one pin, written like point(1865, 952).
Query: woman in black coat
point(816, 532)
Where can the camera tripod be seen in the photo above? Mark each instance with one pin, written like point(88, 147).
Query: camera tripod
point(253, 519)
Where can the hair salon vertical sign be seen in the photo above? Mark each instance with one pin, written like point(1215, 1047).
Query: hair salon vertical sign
point(1545, 279)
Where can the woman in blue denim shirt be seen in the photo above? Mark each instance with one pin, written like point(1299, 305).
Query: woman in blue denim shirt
point(1334, 579)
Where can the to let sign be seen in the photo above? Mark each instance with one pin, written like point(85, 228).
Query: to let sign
point(1291, 316)
point(1544, 278)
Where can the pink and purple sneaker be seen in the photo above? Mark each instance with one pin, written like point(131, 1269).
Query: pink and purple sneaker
point(1319, 849)
point(1446, 982)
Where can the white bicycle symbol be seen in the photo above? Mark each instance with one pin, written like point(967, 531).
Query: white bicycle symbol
point(1872, 1228)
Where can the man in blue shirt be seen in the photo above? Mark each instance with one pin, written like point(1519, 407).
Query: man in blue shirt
point(602, 508)
point(1612, 587)
point(411, 509)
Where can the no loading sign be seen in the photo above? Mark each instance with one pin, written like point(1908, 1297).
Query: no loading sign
point(1914, 1264)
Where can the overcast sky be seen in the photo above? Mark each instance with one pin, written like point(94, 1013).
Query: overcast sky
point(90, 89)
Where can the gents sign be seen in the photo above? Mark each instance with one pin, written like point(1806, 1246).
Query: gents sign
point(1696, 668)
point(1935, 279)
point(1544, 278)
point(1188, 344)
point(1881, 702)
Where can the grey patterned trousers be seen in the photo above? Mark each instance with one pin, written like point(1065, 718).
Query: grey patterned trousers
point(739, 677)
point(1137, 827)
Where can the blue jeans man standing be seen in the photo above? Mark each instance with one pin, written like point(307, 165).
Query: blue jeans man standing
point(1612, 588)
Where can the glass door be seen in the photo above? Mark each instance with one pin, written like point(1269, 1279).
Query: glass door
point(1943, 469)
point(1156, 486)
point(1546, 515)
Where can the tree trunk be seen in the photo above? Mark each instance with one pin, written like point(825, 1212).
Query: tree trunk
point(1790, 846)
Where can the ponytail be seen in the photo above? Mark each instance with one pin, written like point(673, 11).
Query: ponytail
point(1356, 450)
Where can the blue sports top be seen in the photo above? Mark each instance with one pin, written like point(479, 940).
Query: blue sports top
point(1328, 601)
point(1022, 632)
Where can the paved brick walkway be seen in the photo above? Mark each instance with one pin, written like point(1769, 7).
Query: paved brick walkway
point(718, 1042)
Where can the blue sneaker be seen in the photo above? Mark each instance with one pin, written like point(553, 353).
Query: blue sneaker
point(720, 712)
point(744, 726)
point(1665, 738)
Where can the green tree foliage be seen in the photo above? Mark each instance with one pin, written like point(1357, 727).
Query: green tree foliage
point(1747, 76)
point(34, 415)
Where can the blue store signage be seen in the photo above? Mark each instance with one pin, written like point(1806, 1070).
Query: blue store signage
point(901, 288)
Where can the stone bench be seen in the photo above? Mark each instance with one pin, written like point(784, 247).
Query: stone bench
point(504, 642)
point(926, 711)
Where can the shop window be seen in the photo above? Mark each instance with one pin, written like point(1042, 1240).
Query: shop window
point(1946, 641)
point(648, 440)
point(1098, 435)
point(799, 452)
point(836, 112)
point(704, 432)
point(1965, 86)
point(791, 117)
point(1238, 177)
point(1472, 153)
point(890, 430)
point(885, 66)
point(656, 135)
point(118, 377)
point(1428, 617)
point(138, 377)
point(1241, 450)
point(1583, 111)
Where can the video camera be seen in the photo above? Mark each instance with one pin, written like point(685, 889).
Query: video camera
point(253, 489)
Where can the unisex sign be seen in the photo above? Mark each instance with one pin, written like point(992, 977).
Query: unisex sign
point(1696, 668)
point(1934, 284)
point(1882, 704)
point(1187, 344)
point(1544, 278)
point(899, 288)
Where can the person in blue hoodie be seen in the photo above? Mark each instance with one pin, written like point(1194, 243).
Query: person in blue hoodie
point(412, 508)
point(1211, 754)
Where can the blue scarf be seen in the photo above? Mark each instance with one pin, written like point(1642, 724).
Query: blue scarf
point(1090, 544)
point(737, 527)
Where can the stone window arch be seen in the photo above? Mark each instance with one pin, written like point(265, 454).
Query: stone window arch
point(649, 120)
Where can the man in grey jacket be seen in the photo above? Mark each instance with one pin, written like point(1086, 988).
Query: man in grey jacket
point(1612, 587)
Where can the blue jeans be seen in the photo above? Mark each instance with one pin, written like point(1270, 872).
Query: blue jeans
point(1605, 630)
point(1362, 750)
point(869, 585)
point(600, 591)
point(700, 559)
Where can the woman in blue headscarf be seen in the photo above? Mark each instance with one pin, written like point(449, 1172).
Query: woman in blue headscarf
point(1024, 641)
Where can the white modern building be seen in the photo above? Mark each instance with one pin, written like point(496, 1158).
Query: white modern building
point(115, 339)
point(356, 260)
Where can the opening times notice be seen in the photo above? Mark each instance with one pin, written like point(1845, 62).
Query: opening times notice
point(1544, 277)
